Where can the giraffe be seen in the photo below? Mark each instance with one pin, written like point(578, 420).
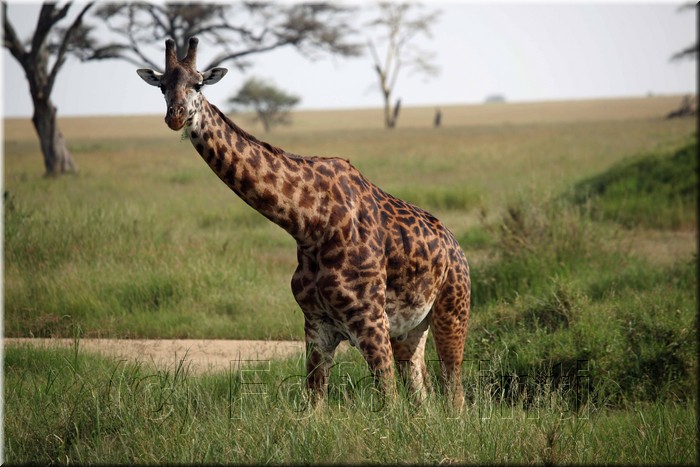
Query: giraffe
point(372, 269)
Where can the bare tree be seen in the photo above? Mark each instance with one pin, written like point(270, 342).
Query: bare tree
point(238, 30)
point(399, 25)
point(41, 58)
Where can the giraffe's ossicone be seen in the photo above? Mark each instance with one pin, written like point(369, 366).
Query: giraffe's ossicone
point(372, 268)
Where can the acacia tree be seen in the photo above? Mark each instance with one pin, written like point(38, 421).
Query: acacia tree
point(398, 26)
point(270, 104)
point(690, 51)
point(41, 59)
point(238, 30)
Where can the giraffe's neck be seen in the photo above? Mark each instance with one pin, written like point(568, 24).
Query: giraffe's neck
point(265, 177)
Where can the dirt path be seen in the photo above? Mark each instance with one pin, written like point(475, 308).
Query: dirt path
point(201, 355)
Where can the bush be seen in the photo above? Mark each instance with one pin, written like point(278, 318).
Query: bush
point(533, 243)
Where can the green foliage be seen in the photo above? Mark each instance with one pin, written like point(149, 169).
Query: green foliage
point(658, 191)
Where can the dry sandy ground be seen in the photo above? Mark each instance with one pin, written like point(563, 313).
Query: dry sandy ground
point(201, 355)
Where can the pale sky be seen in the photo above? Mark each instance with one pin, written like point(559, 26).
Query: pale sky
point(523, 51)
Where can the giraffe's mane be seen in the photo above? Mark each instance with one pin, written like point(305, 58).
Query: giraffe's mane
point(244, 134)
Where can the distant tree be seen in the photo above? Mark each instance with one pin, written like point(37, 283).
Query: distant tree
point(270, 104)
point(237, 30)
point(42, 57)
point(691, 51)
point(398, 26)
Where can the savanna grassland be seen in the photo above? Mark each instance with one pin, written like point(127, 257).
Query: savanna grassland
point(579, 220)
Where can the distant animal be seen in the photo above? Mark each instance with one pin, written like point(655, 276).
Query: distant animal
point(371, 268)
point(438, 118)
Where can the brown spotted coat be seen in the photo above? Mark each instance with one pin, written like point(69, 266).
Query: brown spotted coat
point(371, 268)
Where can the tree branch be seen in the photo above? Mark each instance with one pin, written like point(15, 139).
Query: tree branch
point(48, 17)
point(216, 61)
point(689, 52)
point(259, 27)
point(10, 39)
point(61, 55)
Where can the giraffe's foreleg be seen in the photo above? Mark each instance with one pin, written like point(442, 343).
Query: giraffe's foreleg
point(318, 362)
point(320, 348)
point(409, 354)
point(371, 337)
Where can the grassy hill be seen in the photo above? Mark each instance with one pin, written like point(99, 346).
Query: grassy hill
point(653, 190)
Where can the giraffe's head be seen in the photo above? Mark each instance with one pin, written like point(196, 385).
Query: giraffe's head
point(181, 83)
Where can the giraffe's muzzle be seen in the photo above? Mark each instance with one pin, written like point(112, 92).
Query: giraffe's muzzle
point(176, 117)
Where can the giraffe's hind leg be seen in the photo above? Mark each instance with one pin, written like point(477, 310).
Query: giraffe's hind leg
point(409, 356)
point(449, 328)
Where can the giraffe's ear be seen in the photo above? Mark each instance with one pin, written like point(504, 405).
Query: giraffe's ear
point(150, 76)
point(214, 75)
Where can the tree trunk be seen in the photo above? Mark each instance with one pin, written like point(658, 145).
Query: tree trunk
point(57, 158)
point(395, 115)
point(391, 116)
point(389, 121)
point(265, 120)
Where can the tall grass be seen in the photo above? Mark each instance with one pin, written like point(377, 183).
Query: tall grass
point(558, 292)
point(577, 350)
point(73, 408)
point(116, 271)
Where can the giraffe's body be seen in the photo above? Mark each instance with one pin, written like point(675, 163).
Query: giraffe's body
point(372, 268)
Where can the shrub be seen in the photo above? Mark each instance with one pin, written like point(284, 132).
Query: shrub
point(533, 243)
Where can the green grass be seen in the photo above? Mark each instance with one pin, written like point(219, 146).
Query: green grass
point(87, 409)
point(658, 191)
point(146, 242)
